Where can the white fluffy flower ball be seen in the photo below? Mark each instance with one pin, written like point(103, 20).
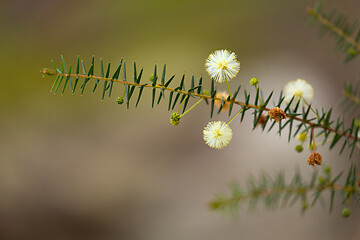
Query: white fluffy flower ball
point(217, 134)
point(299, 88)
point(222, 65)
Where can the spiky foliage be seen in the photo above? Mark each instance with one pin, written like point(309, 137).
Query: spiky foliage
point(347, 39)
point(346, 35)
point(274, 192)
point(298, 119)
point(350, 102)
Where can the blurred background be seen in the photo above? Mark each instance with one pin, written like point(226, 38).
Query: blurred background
point(76, 167)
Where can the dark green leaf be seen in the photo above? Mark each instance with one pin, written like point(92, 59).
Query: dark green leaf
point(185, 103)
point(212, 108)
point(170, 99)
point(169, 81)
point(64, 64)
point(140, 93)
point(268, 99)
point(68, 79)
point(154, 77)
point(175, 100)
point(199, 90)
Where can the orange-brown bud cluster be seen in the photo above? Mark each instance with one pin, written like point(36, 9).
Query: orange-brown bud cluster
point(314, 158)
point(277, 114)
point(223, 96)
point(261, 121)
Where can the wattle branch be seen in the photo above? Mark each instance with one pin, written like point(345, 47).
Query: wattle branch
point(261, 107)
point(347, 36)
point(275, 192)
point(334, 28)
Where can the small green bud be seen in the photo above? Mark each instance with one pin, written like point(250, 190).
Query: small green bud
point(299, 148)
point(206, 92)
point(346, 212)
point(47, 72)
point(151, 77)
point(327, 169)
point(254, 81)
point(175, 118)
point(302, 137)
point(311, 146)
point(321, 180)
point(214, 205)
point(352, 51)
point(357, 123)
point(304, 205)
point(120, 100)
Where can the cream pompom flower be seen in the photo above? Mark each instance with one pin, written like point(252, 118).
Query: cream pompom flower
point(299, 88)
point(217, 134)
point(222, 65)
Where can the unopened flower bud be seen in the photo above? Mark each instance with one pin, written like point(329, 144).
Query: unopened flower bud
point(304, 205)
point(206, 92)
point(47, 72)
point(346, 212)
point(277, 114)
point(151, 78)
point(357, 123)
point(302, 137)
point(299, 148)
point(327, 169)
point(223, 96)
point(311, 146)
point(254, 81)
point(120, 100)
point(261, 121)
point(214, 205)
point(175, 118)
point(352, 51)
point(321, 180)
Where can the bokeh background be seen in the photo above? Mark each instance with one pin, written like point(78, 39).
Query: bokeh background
point(76, 167)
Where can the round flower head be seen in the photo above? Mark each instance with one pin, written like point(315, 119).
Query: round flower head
point(222, 65)
point(277, 114)
point(254, 81)
point(217, 134)
point(314, 158)
point(301, 89)
point(120, 100)
point(175, 118)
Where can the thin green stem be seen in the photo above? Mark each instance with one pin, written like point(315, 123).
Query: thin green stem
point(227, 84)
point(191, 107)
point(182, 103)
point(242, 109)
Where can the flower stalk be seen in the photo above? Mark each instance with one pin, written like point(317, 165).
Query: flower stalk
point(228, 87)
point(236, 114)
point(192, 107)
